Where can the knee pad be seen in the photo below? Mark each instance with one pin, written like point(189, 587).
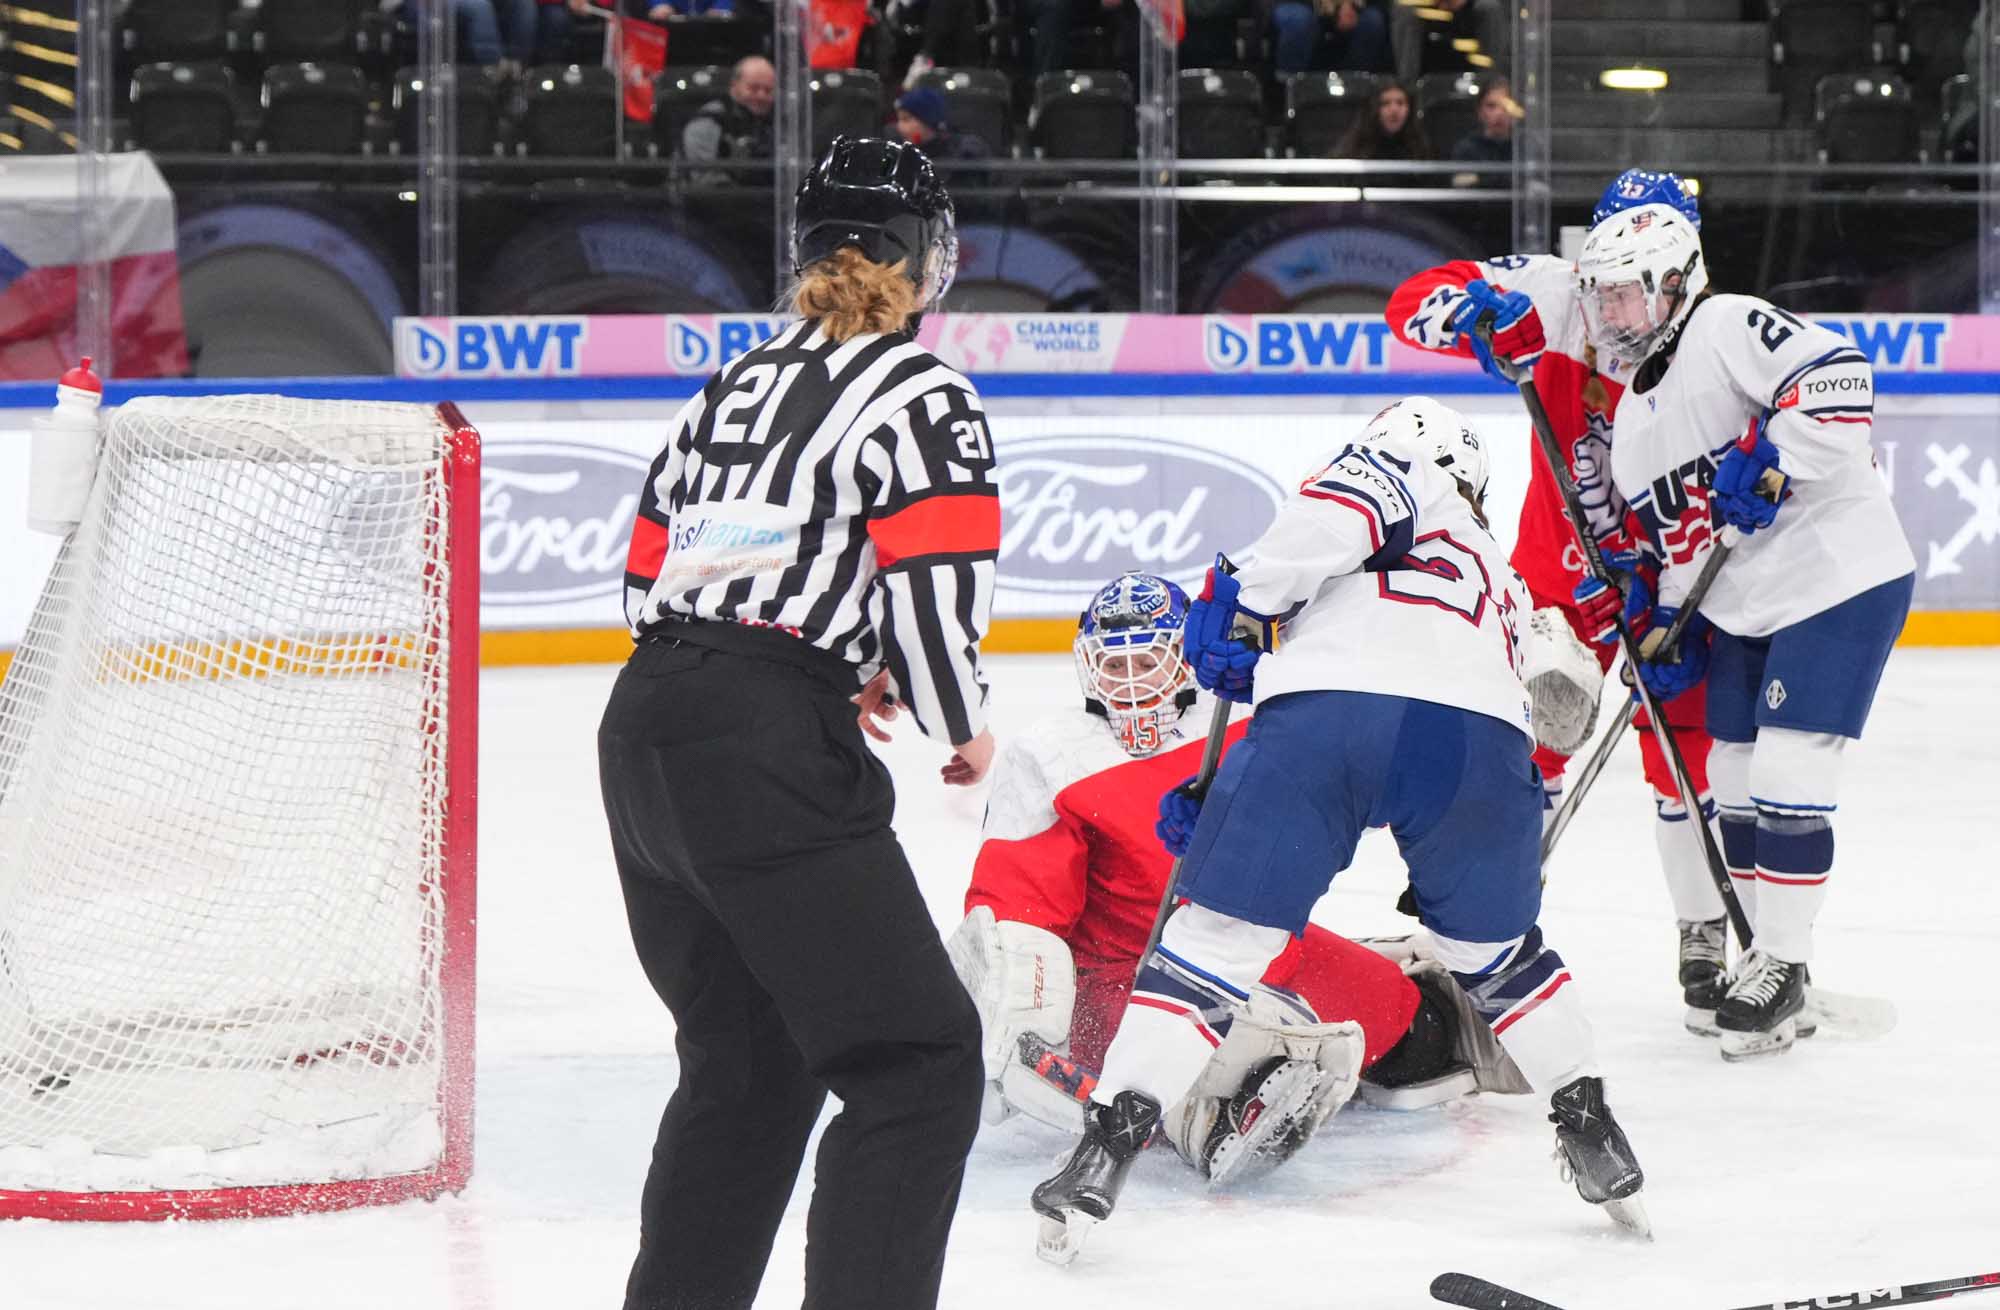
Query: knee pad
point(1794, 771)
point(1499, 976)
point(1211, 958)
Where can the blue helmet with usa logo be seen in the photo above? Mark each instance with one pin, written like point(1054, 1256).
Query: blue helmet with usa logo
point(1638, 186)
point(1129, 661)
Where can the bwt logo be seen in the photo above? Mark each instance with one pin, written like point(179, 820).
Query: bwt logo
point(495, 347)
point(1895, 341)
point(1298, 343)
point(695, 347)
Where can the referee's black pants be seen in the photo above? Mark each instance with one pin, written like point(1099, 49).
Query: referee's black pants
point(776, 916)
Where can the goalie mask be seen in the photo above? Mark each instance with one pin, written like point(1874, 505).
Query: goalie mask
point(1128, 659)
point(1638, 276)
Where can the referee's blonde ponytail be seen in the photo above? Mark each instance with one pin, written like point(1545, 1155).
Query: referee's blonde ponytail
point(850, 294)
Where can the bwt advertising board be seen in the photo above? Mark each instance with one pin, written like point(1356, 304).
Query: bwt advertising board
point(695, 345)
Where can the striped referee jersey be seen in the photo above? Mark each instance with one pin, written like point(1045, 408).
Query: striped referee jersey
point(840, 491)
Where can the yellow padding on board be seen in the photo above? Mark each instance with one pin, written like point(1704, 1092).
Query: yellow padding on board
point(609, 645)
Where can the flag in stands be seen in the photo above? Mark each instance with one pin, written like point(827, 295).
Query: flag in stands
point(41, 246)
point(637, 52)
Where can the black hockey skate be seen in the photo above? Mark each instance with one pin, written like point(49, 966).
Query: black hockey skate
point(1760, 1015)
point(1595, 1155)
point(1085, 1190)
point(1704, 972)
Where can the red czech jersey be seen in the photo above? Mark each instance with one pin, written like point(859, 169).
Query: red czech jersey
point(1579, 391)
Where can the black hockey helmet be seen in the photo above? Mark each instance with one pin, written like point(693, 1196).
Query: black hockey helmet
point(884, 198)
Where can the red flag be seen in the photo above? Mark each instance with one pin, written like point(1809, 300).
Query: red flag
point(639, 49)
point(1169, 18)
point(833, 31)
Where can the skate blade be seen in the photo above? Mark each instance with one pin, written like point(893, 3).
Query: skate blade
point(1737, 1047)
point(1630, 1214)
point(1423, 1095)
point(1060, 1241)
point(1235, 1160)
point(1700, 1022)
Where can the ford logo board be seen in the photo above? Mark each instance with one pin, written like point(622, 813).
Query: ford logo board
point(554, 520)
point(1078, 510)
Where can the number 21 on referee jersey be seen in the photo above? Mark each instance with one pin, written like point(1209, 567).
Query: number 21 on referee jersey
point(755, 390)
point(973, 443)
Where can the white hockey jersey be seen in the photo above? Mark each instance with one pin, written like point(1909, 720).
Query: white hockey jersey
point(1383, 581)
point(1835, 536)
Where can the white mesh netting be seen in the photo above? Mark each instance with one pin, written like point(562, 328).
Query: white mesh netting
point(222, 778)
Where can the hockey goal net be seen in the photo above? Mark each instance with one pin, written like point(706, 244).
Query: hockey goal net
point(236, 820)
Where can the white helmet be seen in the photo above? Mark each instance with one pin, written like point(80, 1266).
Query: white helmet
point(1421, 429)
point(1639, 273)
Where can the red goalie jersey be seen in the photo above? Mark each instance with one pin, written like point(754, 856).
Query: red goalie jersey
point(1069, 848)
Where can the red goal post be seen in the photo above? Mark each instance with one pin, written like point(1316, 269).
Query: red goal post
point(238, 788)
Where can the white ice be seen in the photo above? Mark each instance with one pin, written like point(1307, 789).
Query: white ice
point(1846, 1164)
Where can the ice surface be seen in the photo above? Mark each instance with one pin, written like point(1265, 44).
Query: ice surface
point(1845, 1164)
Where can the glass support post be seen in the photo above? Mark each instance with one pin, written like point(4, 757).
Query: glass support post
point(437, 162)
point(96, 21)
point(791, 128)
point(1533, 139)
point(1159, 237)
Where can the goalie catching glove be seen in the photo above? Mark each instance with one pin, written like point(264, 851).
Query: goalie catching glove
point(1563, 679)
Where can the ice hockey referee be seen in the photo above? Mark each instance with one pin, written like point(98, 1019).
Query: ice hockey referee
point(823, 518)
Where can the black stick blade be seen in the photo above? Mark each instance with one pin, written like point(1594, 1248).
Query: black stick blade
point(1478, 1294)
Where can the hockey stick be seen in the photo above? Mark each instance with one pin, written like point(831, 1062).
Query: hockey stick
point(1593, 556)
point(1600, 755)
point(1478, 1294)
point(1211, 759)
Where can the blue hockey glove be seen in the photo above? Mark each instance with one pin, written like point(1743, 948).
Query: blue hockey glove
point(1668, 673)
point(1222, 663)
point(1599, 605)
point(1179, 809)
point(1517, 328)
point(1749, 485)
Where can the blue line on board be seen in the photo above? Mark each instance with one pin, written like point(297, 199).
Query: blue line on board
point(41, 395)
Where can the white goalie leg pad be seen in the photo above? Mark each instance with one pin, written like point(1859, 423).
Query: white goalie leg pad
point(1021, 980)
point(1564, 681)
point(1275, 1079)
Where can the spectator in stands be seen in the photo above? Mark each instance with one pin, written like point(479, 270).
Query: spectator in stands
point(921, 120)
point(1050, 23)
point(1486, 21)
point(1492, 142)
point(951, 33)
point(1354, 36)
point(478, 31)
point(1389, 130)
point(537, 31)
point(737, 127)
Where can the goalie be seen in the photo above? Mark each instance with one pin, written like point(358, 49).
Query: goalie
point(1064, 890)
